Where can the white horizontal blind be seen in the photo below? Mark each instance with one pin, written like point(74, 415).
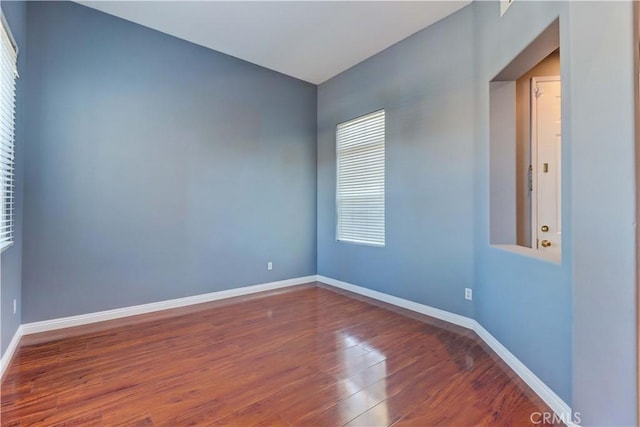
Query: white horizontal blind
point(360, 179)
point(8, 75)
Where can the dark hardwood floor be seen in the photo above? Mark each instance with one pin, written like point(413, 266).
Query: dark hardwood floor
point(304, 356)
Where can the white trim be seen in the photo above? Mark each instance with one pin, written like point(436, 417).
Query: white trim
point(101, 316)
point(504, 5)
point(533, 153)
point(447, 316)
point(554, 401)
point(537, 385)
point(10, 351)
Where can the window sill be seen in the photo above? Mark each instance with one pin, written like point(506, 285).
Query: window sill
point(5, 246)
point(531, 253)
point(356, 242)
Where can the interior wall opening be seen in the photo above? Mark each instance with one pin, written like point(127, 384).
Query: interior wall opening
point(526, 150)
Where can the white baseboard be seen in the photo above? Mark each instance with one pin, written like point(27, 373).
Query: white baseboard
point(554, 401)
point(537, 385)
point(10, 351)
point(447, 316)
point(101, 316)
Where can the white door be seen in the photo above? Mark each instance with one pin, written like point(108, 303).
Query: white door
point(545, 154)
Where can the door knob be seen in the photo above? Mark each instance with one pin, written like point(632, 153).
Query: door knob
point(545, 243)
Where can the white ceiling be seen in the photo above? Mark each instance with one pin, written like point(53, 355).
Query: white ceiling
point(310, 40)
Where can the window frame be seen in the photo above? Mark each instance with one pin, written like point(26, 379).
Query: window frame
point(7, 170)
point(363, 118)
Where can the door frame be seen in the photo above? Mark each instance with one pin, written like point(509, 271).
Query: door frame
point(636, 73)
point(533, 147)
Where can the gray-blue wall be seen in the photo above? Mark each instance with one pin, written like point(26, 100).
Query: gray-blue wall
point(524, 302)
point(156, 168)
point(11, 258)
point(572, 324)
point(603, 192)
point(425, 85)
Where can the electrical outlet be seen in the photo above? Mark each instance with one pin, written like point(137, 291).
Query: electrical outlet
point(468, 294)
point(15, 306)
point(270, 266)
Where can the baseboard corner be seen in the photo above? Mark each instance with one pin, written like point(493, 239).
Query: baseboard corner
point(555, 402)
point(5, 360)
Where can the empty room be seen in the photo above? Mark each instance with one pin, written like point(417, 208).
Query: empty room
point(319, 213)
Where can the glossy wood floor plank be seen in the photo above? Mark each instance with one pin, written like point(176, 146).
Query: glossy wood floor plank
point(305, 356)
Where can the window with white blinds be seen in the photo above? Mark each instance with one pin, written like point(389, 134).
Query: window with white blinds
point(360, 179)
point(8, 75)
